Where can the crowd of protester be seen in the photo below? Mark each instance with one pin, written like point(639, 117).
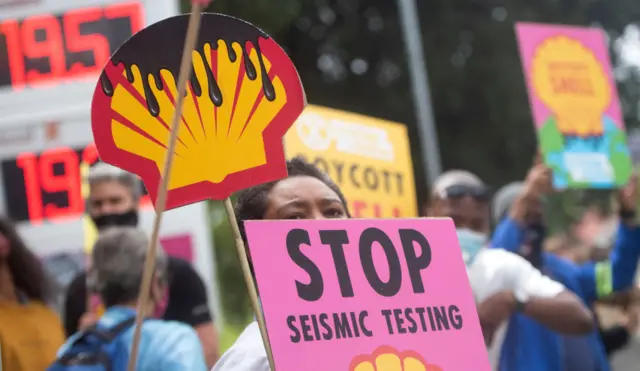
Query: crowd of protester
point(536, 294)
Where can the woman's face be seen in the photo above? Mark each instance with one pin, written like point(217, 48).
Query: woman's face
point(303, 197)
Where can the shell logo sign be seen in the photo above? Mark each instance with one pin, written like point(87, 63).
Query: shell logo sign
point(243, 96)
point(387, 358)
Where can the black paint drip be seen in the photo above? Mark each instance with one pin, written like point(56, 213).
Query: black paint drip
point(169, 34)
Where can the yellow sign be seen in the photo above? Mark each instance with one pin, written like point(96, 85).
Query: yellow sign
point(368, 158)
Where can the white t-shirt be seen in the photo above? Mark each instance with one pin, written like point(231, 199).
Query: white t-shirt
point(492, 271)
point(495, 270)
point(246, 354)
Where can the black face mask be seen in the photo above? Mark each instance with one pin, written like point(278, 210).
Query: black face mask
point(126, 219)
point(535, 234)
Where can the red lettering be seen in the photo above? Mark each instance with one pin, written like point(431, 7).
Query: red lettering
point(97, 44)
point(363, 209)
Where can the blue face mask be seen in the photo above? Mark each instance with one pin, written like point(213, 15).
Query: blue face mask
point(471, 243)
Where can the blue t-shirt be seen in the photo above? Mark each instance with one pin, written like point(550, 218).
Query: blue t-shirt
point(164, 345)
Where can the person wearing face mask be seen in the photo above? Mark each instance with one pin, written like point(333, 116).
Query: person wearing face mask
point(30, 331)
point(590, 281)
point(502, 282)
point(113, 201)
point(118, 262)
point(306, 193)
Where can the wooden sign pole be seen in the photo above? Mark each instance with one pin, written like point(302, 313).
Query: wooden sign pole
point(150, 261)
point(248, 278)
point(149, 266)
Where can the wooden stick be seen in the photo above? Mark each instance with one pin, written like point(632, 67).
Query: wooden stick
point(248, 278)
point(149, 264)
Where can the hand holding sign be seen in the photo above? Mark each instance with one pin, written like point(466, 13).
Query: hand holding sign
point(222, 119)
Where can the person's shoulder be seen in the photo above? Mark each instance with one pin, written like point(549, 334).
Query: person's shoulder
point(36, 309)
point(169, 333)
point(246, 354)
point(181, 269)
point(174, 327)
point(172, 345)
point(489, 259)
point(177, 263)
point(503, 259)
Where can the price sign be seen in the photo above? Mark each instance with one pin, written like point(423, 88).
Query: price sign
point(47, 186)
point(46, 49)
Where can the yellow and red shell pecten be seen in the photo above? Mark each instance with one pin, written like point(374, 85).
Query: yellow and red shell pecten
point(387, 358)
point(243, 95)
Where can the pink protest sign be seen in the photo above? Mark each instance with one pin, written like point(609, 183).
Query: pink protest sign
point(575, 105)
point(366, 295)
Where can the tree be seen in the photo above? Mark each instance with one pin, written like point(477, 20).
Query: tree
point(350, 55)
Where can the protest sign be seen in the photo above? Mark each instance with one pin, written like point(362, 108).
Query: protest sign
point(241, 99)
point(575, 105)
point(197, 105)
point(369, 158)
point(349, 294)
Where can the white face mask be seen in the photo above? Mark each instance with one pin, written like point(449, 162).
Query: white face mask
point(471, 242)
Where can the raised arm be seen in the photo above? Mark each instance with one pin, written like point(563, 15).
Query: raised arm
point(618, 272)
point(510, 231)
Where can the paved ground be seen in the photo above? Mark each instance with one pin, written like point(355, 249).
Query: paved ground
point(628, 359)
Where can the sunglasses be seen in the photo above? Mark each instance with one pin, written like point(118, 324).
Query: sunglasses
point(478, 193)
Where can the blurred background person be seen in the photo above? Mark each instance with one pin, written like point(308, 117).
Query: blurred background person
point(620, 320)
point(503, 283)
point(522, 230)
point(30, 331)
point(117, 267)
point(113, 200)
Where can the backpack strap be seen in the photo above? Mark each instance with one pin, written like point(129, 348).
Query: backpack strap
point(108, 335)
point(105, 336)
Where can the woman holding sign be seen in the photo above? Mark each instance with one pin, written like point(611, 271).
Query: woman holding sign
point(307, 193)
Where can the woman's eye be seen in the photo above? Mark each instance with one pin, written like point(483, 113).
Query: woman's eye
point(335, 213)
point(296, 216)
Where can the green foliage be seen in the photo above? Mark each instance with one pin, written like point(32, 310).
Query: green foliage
point(236, 307)
point(478, 91)
point(270, 15)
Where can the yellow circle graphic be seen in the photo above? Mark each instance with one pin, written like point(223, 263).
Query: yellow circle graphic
point(569, 79)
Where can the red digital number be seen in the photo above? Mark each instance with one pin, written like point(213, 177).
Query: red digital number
point(11, 30)
point(22, 43)
point(39, 176)
point(51, 48)
point(28, 162)
point(67, 182)
point(76, 42)
point(133, 11)
point(90, 154)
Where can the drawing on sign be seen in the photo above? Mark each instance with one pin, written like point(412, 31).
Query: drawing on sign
point(387, 358)
point(243, 95)
point(575, 105)
point(571, 82)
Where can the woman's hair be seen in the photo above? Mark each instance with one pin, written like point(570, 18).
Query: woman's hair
point(252, 203)
point(29, 276)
